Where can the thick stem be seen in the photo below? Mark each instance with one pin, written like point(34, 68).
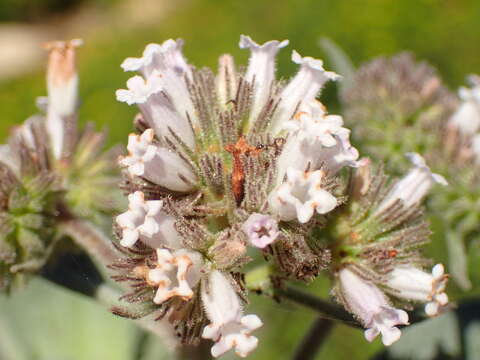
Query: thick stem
point(314, 339)
point(329, 310)
point(91, 240)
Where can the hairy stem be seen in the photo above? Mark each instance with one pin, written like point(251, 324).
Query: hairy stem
point(91, 240)
point(329, 310)
point(332, 311)
point(314, 339)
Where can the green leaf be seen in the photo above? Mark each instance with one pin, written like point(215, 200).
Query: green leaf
point(423, 340)
point(457, 260)
point(341, 63)
point(472, 340)
point(45, 322)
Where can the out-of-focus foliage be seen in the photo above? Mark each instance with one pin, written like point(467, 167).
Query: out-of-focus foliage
point(74, 328)
point(37, 10)
point(445, 33)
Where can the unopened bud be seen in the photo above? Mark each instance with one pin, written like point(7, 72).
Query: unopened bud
point(62, 84)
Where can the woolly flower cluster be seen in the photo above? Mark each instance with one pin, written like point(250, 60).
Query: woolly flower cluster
point(224, 162)
point(51, 171)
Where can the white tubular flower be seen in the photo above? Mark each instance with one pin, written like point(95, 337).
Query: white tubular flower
point(300, 196)
point(158, 57)
point(316, 139)
point(303, 88)
point(157, 109)
point(157, 164)
point(166, 64)
point(370, 305)
point(411, 283)
point(262, 230)
point(175, 274)
point(413, 187)
point(229, 328)
point(261, 69)
point(145, 221)
point(62, 85)
point(467, 116)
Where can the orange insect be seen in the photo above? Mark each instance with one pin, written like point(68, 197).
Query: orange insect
point(238, 173)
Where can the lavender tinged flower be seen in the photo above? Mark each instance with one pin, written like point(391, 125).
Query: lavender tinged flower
point(62, 83)
point(146, 221)
point(262, 230)
point(229, 328)
point(412, 283)
point(414, 186)
point(157, 164)
point(369, 304)
point(300, 196)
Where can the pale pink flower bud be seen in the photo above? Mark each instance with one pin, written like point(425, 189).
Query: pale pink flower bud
point(229, 328)
point(62, 84)
point(370, 305)
point(411, 283)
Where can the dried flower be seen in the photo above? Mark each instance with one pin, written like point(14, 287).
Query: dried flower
point(175, 274)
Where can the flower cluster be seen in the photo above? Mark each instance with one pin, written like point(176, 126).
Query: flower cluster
point(382, 229)
point(406, 94)
point(224, 162)
point(51, 172)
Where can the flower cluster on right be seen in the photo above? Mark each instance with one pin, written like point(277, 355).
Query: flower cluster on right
point(226, 171)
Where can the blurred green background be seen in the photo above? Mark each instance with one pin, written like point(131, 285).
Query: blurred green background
point(444, 32)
